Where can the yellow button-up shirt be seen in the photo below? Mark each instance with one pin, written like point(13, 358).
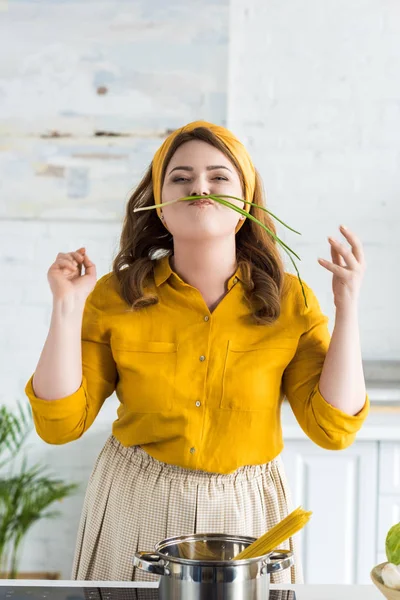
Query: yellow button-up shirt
point(198, 389)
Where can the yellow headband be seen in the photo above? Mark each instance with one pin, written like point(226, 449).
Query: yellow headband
point(230, 141)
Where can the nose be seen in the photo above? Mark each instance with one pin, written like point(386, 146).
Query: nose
point(200, 187)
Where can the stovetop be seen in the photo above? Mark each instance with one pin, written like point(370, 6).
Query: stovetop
point(49, 592)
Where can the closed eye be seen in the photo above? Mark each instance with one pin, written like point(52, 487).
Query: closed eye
point(178, 179)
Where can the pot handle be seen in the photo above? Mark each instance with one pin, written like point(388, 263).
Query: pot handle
point(279, 560)
point(149, 562)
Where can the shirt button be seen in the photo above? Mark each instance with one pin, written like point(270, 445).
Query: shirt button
point(198, 403)
point(192, 450)
point(206, 318)
point(202, 358)
point(235, 280)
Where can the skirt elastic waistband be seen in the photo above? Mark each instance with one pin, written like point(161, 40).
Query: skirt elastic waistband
point(137, 455)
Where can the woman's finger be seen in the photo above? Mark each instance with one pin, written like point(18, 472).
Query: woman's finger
point(78, 257)
point(337, 259)
point(345, 252)
point(66, 256)
point(65, 263)
point(90, 268)
point(355, 243)
point(335, 269)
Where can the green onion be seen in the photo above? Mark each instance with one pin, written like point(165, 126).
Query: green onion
point(220, 198)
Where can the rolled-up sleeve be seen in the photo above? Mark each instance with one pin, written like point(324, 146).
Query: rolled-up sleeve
point(323, 423)
point(65, 419)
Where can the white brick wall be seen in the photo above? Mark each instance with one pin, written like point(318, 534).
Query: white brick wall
point(313, 89)
point(163, 64)
point(27, 249)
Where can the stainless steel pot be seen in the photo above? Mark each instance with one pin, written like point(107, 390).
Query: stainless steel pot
point(219, 579)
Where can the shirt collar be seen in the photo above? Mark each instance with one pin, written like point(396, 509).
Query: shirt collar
point(163, 271)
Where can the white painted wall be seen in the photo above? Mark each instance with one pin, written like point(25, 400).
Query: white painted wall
point(61, 186)
point(312, 88)
point(314, 91)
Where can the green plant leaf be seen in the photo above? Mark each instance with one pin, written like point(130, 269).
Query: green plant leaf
point(14, 429)
point(216, 196)
point(252, 218)
point(26, 496)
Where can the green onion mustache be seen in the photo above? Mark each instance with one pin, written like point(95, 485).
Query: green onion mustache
point(221, 198)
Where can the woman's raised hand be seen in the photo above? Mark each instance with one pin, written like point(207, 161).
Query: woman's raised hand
point(72, 276)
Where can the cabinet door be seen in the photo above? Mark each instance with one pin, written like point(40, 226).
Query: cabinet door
point(388, 515)
point(389, 492)
point(339, 543)
point(389, 468)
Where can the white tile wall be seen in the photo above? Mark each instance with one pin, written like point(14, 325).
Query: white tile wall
point(312, 88)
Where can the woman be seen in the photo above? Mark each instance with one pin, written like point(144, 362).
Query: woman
point(201, 344)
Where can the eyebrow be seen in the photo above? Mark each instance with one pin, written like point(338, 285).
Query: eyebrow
point(209, 168)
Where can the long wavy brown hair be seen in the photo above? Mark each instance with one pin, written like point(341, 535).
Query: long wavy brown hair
point(144, 239)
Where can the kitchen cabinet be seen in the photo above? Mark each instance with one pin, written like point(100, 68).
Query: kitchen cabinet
point(388, 514)
point(389, 492)
point(339, 544)
point(389, 468)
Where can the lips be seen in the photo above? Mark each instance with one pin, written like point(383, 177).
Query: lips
point(201, 202)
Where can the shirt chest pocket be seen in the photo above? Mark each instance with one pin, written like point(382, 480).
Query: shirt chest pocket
point(253, 375)
point(147, 374)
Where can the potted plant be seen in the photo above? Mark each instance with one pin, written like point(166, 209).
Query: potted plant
point(27, 492)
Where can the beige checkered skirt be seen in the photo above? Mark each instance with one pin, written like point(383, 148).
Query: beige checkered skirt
point(134, 501)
